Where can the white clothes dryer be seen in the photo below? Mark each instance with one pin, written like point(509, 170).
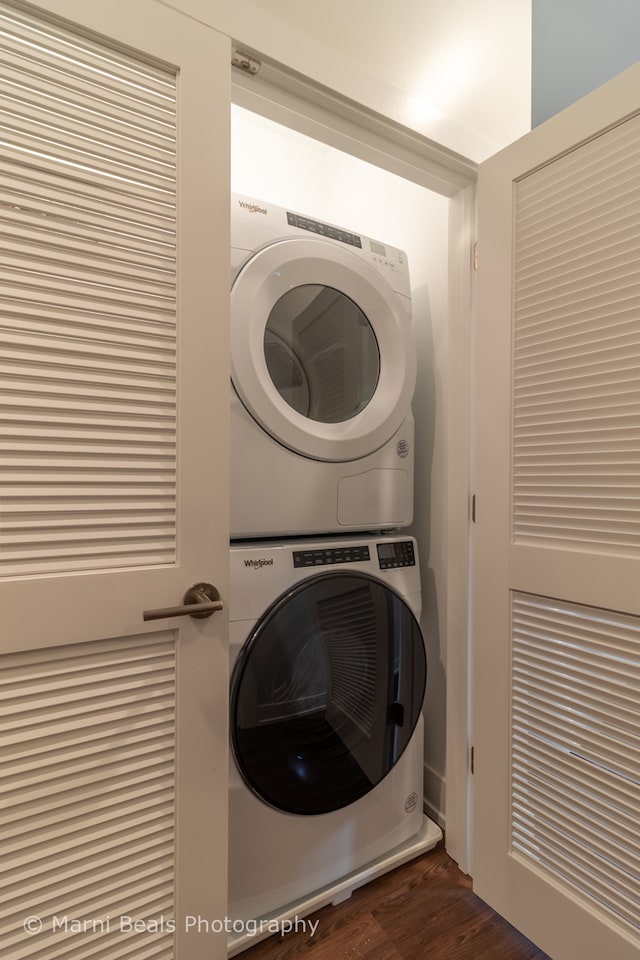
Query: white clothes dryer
point(327, 687)
point(323, 369)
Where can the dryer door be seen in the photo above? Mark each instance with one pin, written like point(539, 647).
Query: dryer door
point(326, 693)
point(322, 351)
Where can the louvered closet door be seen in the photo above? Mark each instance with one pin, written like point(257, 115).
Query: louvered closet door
point(557, 543)
point(113, 480)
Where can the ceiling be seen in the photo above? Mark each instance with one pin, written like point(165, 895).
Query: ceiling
point(463, 64)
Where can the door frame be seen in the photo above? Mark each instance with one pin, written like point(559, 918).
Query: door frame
point(299, 103)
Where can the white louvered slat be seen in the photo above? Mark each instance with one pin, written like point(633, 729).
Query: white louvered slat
point(576, 434)
point(88, 330)
point(87, 787)
point(81, 64)
point(575, 765)
point(114, 263)
point(84, 94)
point(37, 86)
point(44, 192)
point(135, 139)
point(117, 365)
point(34, 138)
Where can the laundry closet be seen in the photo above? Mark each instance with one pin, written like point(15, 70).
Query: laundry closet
point(274, 165)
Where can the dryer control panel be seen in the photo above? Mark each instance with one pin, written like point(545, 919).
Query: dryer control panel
point(323, 229)
point(399, 553)
point(383, 257)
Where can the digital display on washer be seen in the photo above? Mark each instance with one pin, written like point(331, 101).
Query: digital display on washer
point(323, 229)
point(400, 553)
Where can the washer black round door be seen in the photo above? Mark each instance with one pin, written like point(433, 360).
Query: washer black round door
point(326, 693)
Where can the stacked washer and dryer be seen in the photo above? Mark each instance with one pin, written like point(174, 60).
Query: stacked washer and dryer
point(328, 661)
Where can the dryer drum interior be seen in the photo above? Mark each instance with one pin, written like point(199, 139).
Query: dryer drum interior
point(321, 353)
point(326, 693)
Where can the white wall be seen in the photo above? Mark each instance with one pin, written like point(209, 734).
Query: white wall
point(273, 163)
point(455, 71)
point(460, 70)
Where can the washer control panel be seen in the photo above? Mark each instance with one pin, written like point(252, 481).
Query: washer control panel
point(400, 553)
point(396, 553)
point(327, 555)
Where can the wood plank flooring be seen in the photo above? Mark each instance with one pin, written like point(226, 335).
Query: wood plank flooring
point(424, 910)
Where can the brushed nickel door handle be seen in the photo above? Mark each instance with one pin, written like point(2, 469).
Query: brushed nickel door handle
point(200, 601)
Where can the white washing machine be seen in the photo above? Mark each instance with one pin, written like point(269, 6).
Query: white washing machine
point(323, 369)
point(326, 768)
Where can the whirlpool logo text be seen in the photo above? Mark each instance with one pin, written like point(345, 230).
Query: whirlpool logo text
point(258, 564)
point(252, 207)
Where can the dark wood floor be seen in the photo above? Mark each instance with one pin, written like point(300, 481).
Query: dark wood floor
point(424, 910)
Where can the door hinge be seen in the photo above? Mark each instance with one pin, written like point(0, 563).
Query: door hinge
point(473, 508)
point(475, 256)
point(472, 766)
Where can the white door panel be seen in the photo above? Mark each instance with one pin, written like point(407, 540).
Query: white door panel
point(114, 200)
point(557, 552)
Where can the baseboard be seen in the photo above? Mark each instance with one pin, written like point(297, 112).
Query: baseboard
point(435, 792)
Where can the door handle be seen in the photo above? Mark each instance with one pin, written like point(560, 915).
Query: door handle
point(200, 601)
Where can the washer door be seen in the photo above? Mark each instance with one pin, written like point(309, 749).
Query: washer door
point(326, 693)
point(322, 352)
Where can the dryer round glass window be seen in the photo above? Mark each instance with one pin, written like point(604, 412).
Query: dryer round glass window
point(321, 353)
point(326, 693)
point(278, 379)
